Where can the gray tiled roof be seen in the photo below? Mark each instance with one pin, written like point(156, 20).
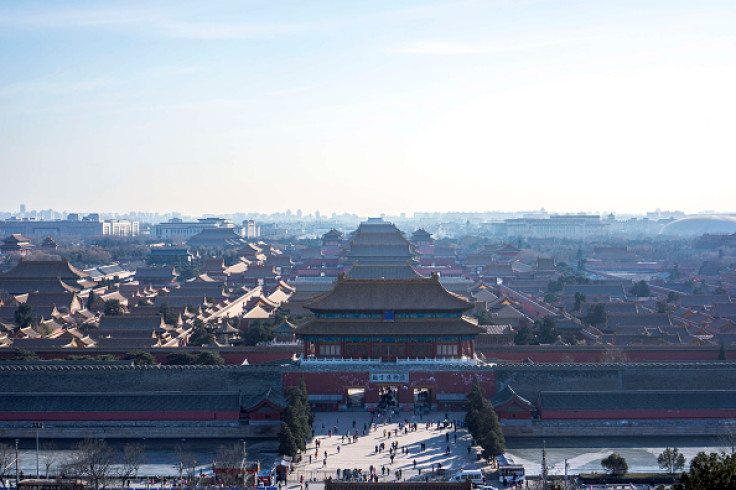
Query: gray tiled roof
point(637, 400)
point(378, 328)
point(170, 401)
point(400, 294)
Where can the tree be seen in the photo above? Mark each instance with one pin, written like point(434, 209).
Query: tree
point(113, 307)
point(547, 330)
point(142, 358)
point(23, 355)
point(181, 359)
point(201, 335)
point(483, 422)
point(641, 289)
point(50, 456)
point(710, 472)
point(92, 460)
point(23, 315)
point(615, 464)
point(91, 298)
point(230, 460)
point(208, 358)
point(596, 314)
point(133, 456)
point(672, 297)
point(7, 457)
point(484, 318)
point(614, 355)
point(671, 460)
point(287, 444)
point(525, 336)
point(170, 318)
point(579, 300)
point(722, 352)
point(258, 333)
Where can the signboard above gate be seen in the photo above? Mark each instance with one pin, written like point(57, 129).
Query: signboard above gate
point(389, 377)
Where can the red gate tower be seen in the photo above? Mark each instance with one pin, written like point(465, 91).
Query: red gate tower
point(388, 338)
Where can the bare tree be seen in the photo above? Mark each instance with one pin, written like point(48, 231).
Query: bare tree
point(133, 456)
point(50, 456)
point(728, 435)
point(193, 478)
point(230, 461)
point(7, 458)
point(614, 355)
point(92, 459)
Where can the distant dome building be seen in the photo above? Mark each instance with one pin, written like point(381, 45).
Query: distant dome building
point(694, 226)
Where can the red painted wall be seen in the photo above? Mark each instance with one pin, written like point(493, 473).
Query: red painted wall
point(636, 414)
point(592, 354)
point(118, 416)
point(335, 383)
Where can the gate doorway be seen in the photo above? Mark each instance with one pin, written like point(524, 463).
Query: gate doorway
point(422, 400)
point(388, 398)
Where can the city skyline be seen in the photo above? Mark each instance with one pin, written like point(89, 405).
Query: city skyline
point(368, 108)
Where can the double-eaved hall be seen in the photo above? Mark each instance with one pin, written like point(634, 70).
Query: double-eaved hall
point(387, 337)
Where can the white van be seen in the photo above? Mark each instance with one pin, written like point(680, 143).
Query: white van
point(475, 476)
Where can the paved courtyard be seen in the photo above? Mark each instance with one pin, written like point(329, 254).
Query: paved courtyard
point(360, 453)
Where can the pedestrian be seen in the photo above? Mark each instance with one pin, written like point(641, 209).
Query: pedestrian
point(310, 459)
point(415, 464)
point(338, 449)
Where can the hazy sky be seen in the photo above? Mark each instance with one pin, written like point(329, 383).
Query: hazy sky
point(368, 106)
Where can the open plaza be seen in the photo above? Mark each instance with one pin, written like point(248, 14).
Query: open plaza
point(431, 447)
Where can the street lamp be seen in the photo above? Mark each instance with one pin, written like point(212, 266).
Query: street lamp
point(17, 478)
point(243, 441)
point(37, 426)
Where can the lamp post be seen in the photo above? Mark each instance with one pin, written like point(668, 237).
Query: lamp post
point(243, 441)
point(37, 426)
point(17, 478)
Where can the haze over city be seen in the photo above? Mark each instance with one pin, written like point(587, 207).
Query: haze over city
point(368, 107)
point(361, 244)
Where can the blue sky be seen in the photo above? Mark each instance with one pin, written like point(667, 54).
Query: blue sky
point(368, 106)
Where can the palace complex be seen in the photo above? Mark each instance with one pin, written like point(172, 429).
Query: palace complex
point(388, 335)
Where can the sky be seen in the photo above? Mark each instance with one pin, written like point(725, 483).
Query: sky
point(368, 106)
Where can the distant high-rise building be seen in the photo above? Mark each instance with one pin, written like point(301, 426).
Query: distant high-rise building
point(22, 210)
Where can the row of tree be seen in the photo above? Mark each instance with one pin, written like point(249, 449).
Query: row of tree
point(707, 471)
point(296, 425)
point(483, 423)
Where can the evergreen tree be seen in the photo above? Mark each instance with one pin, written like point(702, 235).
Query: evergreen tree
point(305, 401)
point(722, 352)
point(91, 298)
point(547, 330)
point(207, 358)
point(287, 444)
point(142, 358)
point(641, 289)
point(23, 315)
point(615, 464)
point(113, 307)
point(483, 422)
point(710, 472)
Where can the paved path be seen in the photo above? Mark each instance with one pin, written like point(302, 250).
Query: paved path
point(361, 453)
